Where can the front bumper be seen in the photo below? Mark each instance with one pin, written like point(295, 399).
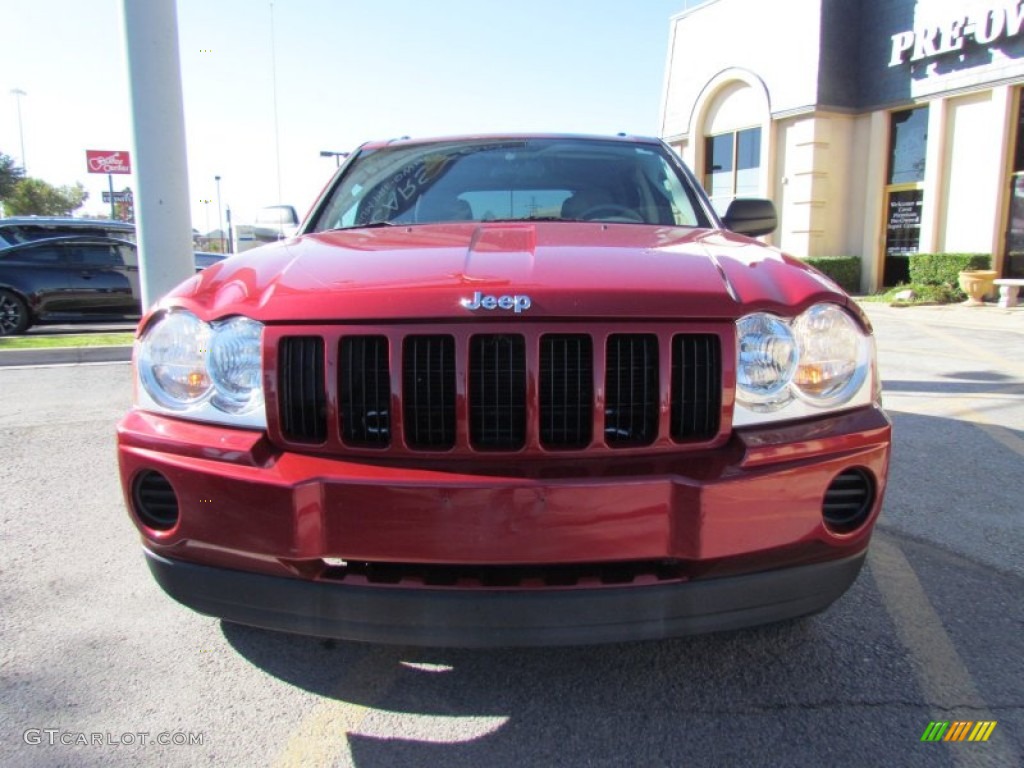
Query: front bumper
point(259, 530)
point(478, 618)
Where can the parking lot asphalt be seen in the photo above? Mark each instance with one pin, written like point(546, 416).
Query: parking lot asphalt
point(932, 630)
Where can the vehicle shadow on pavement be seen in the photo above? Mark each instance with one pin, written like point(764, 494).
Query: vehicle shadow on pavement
point(975, 386)
point(711, 699)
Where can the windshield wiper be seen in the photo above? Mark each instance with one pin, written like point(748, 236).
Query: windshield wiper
point(367, 225)
point(529, 218)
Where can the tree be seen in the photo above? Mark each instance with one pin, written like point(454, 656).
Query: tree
point(10, 175)
point(36, 197)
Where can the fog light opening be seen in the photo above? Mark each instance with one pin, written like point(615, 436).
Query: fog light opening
point(848, 500)
point(154, 500)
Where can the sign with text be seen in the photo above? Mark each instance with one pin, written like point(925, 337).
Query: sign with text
point(108, 161)
point(988, 25)
point(118, 197)
point(903, 228)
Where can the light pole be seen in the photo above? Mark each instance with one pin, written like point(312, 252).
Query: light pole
point(220, 215)
point(17, 93)
point(231, 235)
point(336, 155)
point(273, 82)
point(206, 207)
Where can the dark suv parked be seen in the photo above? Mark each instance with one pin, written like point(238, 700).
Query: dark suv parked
point(65, 278)
point(61, 270)
point(24, 229)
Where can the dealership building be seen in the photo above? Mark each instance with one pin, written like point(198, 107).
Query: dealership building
point(879, 127)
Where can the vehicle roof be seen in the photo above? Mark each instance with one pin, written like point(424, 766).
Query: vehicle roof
point(63, 221)
point(409, 141)
point(83, 239)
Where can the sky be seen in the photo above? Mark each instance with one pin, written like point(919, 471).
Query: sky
point(346, 72)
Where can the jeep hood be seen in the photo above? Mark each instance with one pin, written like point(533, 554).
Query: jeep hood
point(568, 270)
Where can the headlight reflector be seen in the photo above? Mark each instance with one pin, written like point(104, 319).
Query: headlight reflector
point(235, 364)
point(767, 360)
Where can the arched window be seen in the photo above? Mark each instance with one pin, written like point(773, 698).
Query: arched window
point(732, 160)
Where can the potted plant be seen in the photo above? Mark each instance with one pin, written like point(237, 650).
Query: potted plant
point(976, 283)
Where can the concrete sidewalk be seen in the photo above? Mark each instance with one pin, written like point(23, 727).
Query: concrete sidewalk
point(64, 355)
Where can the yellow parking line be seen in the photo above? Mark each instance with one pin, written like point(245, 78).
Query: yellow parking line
point(940, 672)
point(321, 737)
point(903, 351)
point(1002, 435)
point(971, 351)
point(1005, 437)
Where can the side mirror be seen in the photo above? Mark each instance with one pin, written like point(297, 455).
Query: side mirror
point(751, 217)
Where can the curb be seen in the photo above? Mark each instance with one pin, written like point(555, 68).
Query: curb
point(58, 355)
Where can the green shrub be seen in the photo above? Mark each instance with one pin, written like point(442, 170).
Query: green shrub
point(943, 268)
point(923, 294)
point(845, 270)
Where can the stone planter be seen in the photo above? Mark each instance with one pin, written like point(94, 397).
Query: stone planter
point(976, 283)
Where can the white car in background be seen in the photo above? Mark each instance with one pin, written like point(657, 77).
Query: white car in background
point(275, 222)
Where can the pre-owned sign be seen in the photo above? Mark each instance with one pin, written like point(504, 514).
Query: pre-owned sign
point(107, 161)
point(985, 26)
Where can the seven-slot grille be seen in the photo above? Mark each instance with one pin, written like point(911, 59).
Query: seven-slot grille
point(556, 379)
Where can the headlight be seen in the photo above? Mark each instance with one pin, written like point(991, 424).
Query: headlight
point(172, 361)
point(793, 369)
point(205, 371)
point(832, 355)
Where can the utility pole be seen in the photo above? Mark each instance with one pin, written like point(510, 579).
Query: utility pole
point(220, 216)
point(163, 219)
point(18, 93)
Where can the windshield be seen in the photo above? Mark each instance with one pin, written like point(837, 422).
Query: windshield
point(549, 179)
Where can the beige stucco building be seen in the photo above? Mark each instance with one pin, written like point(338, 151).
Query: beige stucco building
point(878, 127)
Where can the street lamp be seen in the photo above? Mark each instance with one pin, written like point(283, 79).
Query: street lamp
point(336, 155)
point(220, 215)
point(17, 93)
point(206, 208)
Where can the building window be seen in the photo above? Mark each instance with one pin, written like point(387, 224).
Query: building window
point(908, 142)
point(904, 193)
point(1013, 264)
point(732, 166)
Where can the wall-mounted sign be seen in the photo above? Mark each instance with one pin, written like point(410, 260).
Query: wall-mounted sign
point(903, 227)
point(107, 161)
point(985, 26)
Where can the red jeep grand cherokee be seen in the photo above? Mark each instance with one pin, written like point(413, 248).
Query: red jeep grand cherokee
point(504, 391)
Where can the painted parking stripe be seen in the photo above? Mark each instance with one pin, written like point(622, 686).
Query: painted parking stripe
point(322, 736)
point(946, 684)
point(954, 408)
point(971, 351)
